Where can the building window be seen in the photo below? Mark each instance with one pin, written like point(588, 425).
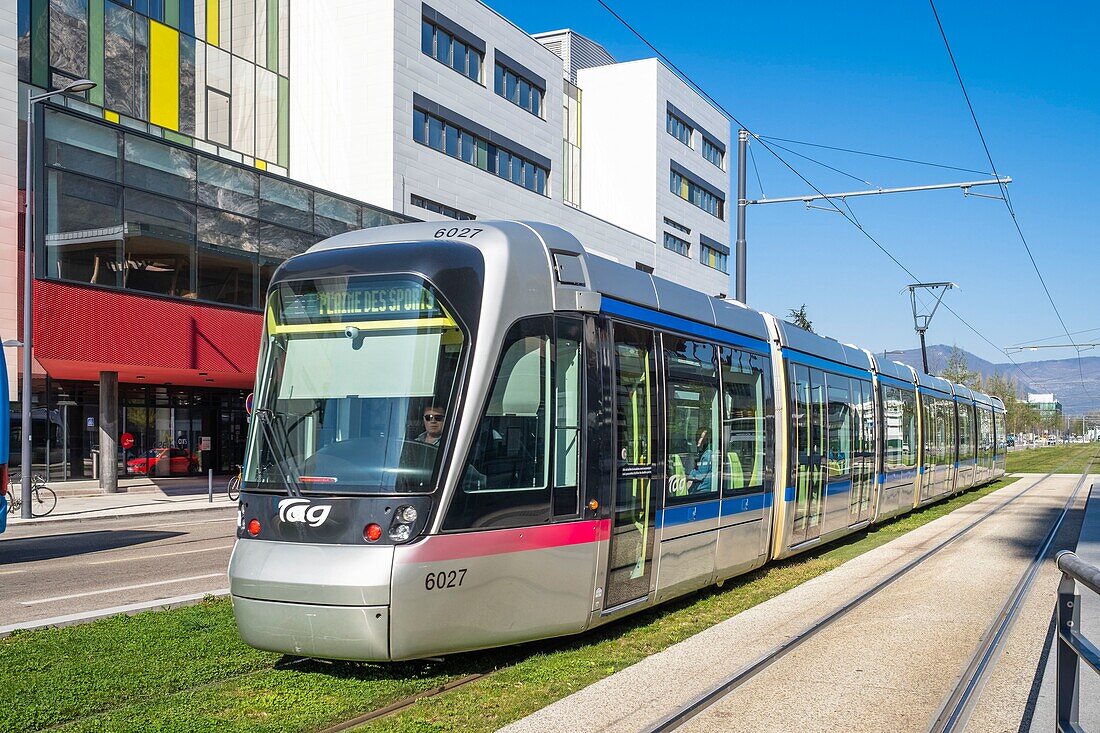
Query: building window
point(679, 129)
point(713, 258)
point(643, 267)
point(518, 90)
point(693, 193)
point(447, 138)
point(438, 208)
point(445, 48)
point(677, 245)
point(713, 153)
point(677, 225)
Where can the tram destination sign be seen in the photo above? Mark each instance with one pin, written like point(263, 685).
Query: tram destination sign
point(340, 301)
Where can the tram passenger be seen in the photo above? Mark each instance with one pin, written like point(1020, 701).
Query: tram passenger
point(433, 417)
point(700, 476)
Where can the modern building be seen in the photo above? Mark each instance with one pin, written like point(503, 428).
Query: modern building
point(224, 136)
point(1048, 406)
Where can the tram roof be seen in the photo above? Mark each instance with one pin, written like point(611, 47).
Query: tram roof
point(897, 370)
point(793, 337)
point(932, 382)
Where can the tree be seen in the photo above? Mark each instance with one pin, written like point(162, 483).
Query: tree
point(800, 319)
point(1020, 416)
point(958, 370)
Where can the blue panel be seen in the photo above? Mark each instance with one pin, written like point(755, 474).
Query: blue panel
point(746, 503)
point(838, 487)
point(815, 361)
point(789, 493)
point(688, 513)
point(613, 307)
point(187, 16)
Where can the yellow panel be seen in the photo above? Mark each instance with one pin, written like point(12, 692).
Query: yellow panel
point(261, 164)
point(164, 75)
point(110, 116)
point(212, 18)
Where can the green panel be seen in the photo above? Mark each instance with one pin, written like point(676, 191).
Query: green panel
point(172, 13)
point(273, 35)
point(40, 43)
point(95, 51)
point(178, 138)
point(284, 121)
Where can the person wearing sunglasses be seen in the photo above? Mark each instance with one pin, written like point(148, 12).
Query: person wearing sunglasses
point(433, 426)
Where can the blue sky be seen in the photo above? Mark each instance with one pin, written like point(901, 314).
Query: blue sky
point(876, 77)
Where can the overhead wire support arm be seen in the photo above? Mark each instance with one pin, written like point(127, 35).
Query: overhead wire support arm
point(965, 186)
point(921, 321)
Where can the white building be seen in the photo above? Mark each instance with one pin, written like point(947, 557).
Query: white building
point(419, 120)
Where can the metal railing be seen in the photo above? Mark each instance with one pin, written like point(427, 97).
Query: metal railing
point(1072, 646)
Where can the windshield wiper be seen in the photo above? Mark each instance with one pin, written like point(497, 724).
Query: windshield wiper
point(289, 475)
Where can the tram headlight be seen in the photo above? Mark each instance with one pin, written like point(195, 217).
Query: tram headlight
point(406, 514)
point(400, 532)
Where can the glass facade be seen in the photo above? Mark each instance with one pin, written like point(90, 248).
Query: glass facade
point(167, 423)
point(205, 71)
point(124, 210)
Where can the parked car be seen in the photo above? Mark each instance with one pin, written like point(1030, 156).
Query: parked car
point(179, 461)
point(1010, 441)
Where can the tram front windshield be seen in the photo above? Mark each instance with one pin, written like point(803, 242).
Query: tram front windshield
point(356, 389)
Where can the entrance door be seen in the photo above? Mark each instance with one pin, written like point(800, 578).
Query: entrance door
point(631, 547)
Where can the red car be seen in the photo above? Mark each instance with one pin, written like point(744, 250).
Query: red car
point(179, 461)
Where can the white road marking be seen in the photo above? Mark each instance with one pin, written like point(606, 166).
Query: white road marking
point(76, 618)
point(125, 587)
point(185, 524)
point(11, 572)
point(163, 554)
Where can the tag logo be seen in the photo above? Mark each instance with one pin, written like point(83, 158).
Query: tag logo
point(302, 512)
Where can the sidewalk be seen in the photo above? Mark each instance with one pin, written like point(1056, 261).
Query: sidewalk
point(140, 496)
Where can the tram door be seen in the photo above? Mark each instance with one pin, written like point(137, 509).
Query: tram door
point(809, 420)
point(632, 524)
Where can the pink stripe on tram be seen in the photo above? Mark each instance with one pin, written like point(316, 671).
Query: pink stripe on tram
point(499, 541)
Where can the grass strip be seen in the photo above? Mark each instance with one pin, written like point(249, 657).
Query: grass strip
point(187, 669)
point(1046, 459)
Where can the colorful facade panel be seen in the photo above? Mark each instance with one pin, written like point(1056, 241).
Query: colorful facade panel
point(208, 70)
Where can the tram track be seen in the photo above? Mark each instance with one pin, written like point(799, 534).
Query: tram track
point(959, 705)
point(710, 697)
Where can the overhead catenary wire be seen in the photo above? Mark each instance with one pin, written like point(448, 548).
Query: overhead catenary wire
point(687, 80)
point(1004, 193)
point(759, 183)
point(874, 155)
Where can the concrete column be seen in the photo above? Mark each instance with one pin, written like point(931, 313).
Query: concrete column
point(108, 432)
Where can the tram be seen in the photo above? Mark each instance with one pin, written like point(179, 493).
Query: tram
point(472, 436)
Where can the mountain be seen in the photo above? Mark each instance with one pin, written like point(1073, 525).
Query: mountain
point(1063, 377)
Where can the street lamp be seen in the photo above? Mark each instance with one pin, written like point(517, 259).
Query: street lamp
point(80, 85)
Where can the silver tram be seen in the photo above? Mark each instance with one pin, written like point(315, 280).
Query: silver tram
point(471, 436)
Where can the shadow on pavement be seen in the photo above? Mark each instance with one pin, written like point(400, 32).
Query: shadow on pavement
point(49, 547)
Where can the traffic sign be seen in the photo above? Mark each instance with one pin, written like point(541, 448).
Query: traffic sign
point(126, 440)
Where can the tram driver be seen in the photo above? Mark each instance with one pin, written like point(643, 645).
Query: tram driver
point(433, 417)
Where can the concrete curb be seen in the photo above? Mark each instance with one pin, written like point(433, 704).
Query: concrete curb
point(135, 510)
point(129, 609)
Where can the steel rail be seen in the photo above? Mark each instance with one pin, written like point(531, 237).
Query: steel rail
point(959, 705)
point(708, 698)
point(404, 703)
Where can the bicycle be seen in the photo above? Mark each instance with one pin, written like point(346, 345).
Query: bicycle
point(43, 498)
point(233, 488)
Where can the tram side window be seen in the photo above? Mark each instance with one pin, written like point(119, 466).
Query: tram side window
point(506, 479)
point(745, 384)
point(966, 431)
point(909, 428)
point(693, 420)
point(893, 428)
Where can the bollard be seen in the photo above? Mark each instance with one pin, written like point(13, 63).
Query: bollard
point(210, 486)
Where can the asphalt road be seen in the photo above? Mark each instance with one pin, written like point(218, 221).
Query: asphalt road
point(64, 568)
